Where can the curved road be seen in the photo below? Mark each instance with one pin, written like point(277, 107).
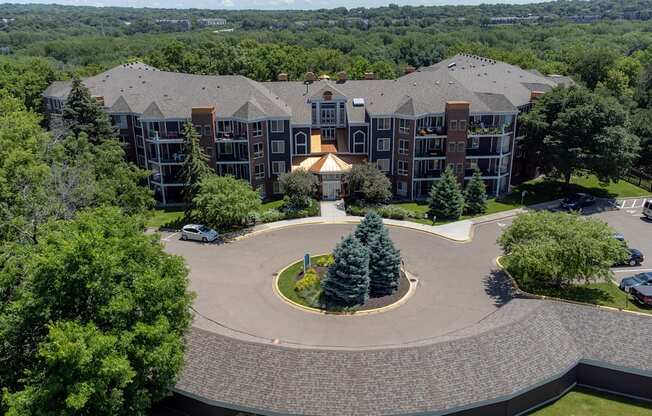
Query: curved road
point(233, 281)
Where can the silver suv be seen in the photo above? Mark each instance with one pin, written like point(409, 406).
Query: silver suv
point(198, 232)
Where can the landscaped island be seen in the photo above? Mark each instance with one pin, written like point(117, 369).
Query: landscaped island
point(363, 273)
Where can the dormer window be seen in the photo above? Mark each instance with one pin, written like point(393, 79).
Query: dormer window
point(327, 96)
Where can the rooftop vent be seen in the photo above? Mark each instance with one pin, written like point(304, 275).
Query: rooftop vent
point(341, 76)
point(310, 77)
point(369, 75)
point(282, 76)
point(358, 102)
point(452, 65)
point(409, 69)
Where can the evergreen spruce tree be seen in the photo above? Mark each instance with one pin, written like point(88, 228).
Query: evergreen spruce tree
point(347, 281)
point(369, 228)
point(476, 194)
point(195, 167)
point(446, 198)
point(384, 265)
point(83, 114)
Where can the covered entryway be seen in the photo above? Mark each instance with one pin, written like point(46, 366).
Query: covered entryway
point(331, 171)
point(331, 190)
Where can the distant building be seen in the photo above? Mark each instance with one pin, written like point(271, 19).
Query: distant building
point(6, 20)
point(211, 22)
point(180, 25)
point(510, 20)
point(584, 18)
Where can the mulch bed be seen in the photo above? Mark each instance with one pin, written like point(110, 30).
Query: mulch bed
point(375, 302)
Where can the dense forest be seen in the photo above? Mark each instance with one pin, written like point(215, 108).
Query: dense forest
point(612, 54)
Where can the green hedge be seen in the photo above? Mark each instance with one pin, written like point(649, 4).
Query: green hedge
point(385, 211)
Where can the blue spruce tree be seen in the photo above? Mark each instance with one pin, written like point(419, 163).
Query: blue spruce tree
point(347, 281)
point(369, 228)
point(384, 266)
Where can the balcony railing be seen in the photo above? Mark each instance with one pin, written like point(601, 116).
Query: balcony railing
point(176, 158)
point(231, 136)
point(482, 152)
point(427, 173)
point(439, 152)
point(431, 131)
point(481, 130)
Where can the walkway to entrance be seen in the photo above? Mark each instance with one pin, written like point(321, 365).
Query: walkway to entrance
point(332, 209)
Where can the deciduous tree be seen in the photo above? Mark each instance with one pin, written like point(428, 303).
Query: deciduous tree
point(299, 187)
point(225, 201)
point(368, 184)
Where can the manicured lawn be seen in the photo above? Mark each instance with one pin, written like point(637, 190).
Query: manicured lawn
point(584, 402)
point(271, 205)
point(286, 282)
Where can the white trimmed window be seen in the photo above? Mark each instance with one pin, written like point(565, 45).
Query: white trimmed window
point(384, 123)
point(461, 146)
point(278, 146)
point(433, 164)
point(359, 140)
point(383, 165)
point(403, 125)
point(277, 126)
point(453, 125)
point(383, 144)
point(258, 150)
point(451, 147)
point(257, 129)
point(259, 171)
point(461, 125)
point(207, 130)
point(278, 167)
point(403, 147)
point(276, 187)
point(121, 121)
point(301, 143)
point(327, 116)
point(401, 188)
point(402, 167)
point(328, 134)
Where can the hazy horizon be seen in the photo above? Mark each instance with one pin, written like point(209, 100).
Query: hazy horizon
point(261, 4)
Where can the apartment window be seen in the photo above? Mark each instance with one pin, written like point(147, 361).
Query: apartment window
point(121, 121)
point(403, 125)
point(259, 171)
point(433, 164)
point(276, 188)
point(474, 143)
point(257, 129)
point(342, 113)
point(278, 146)
point(461, 146)
point(138, 123)
point(359, 142)
point(451, 147)
point(403, 147)
point(278, 167)
point(473, 163)
point(453, 125)
point(277, 126)
point(461, 125)
point(327, 116)
point(258, 150)
point(383, 165)
point(434, 144)
point(402, 166)
point(314, 113)
point(383, 144)
point(328, 134)
point(207, 130)
point(301, 143)
point(384, 123)
point(224, 126)
point(225, 148)
point(401, 188)
point(459, 168)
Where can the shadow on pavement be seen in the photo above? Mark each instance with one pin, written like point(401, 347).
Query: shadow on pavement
point(499, 287)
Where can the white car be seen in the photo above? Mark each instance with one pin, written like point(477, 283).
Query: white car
point(647, 209)
point(198, 232)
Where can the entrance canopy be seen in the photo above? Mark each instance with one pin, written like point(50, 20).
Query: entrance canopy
point(326, 164)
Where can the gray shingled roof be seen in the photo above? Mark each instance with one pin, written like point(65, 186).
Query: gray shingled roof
point(489, 86)
point(524, 343)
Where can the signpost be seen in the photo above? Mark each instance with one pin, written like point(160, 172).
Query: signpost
point(306, 262)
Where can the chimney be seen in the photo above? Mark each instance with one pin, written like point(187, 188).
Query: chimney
point(341, 76)
point(99, 100)
point(409, 69)
point(310, 77)
point(369, 75)
point(534, 95)
point(282, 76)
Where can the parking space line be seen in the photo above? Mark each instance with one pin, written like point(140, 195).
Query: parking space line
point(170, 236)
point(631, 270)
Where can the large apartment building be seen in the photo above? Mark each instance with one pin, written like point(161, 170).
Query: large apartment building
point(461, 112)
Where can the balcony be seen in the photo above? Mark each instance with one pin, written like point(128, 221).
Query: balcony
point(226, 137)
point(427, 173)
point(429, 153)
point(496, 130)
point(479, 151)
point(174, 159)
point(431, 131)
point(172, 137)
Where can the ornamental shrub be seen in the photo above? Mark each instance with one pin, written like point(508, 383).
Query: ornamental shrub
point(324, 261)
point(308, 288)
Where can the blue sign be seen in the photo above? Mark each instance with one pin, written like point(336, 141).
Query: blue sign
point(306, 262)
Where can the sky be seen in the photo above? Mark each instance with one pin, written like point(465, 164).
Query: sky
point(260, 4)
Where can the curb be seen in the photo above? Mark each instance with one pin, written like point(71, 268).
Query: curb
point(529, 295)
point(411, 279)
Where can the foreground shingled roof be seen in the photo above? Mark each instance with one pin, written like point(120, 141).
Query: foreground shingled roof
point(490, 86)
point(523, 344)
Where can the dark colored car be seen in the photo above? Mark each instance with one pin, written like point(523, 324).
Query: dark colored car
point(577, 201)
point(641, 279)
point(635, 258)
point(643, 294)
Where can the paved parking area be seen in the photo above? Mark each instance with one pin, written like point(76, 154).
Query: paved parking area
point(458, 283)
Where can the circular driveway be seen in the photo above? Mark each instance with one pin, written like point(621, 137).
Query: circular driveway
point(233, 282)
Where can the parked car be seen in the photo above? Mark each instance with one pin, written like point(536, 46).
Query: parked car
point(635, 258)
point(647, 209)
point(620, 237)
point(198, 232)
point(643, 294)
point(577, 201)
point(640, 279)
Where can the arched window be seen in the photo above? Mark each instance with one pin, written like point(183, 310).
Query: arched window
point(300, 143)
point(327, 95)
point(359, 140)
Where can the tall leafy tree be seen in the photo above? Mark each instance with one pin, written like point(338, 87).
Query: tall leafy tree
point(368, 184)
point(384, 265)
point(299, 187)
point(92, 318)
point(573, 130)
point(475, 194)
point(224, 201)
point(369, 228)
point(446, 197)
point(83, 114)
point(195, 167)
point(347, 281)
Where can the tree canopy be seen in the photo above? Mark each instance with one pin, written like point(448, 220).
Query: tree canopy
point(368, 184)
point(224, 201)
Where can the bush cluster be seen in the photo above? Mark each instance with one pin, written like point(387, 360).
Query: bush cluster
point(308, 288)
point(385, 211)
